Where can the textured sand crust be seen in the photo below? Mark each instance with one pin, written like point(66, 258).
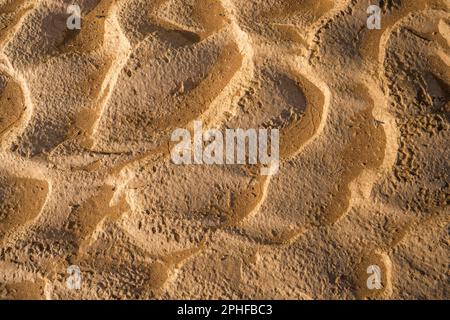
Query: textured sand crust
point(86, 177)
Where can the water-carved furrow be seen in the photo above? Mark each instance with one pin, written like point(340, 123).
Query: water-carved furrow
point(87, 49)
point(85, 219)
point(364, 151)
point(92, 34)
point(118, 260)
point(370, 42)
point(306, 10)
point(21, 201)
point(297, 126)
point(12, 104)
point(362, 183)
point(208, 15)
point(11, 12)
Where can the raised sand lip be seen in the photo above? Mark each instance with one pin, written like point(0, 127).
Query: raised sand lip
point(86, 177)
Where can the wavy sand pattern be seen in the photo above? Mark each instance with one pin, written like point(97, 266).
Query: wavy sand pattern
point(86, 176)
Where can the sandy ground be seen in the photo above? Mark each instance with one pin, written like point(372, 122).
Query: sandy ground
point(86, 177)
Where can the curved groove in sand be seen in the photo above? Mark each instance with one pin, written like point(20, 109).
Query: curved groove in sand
point(365, 134)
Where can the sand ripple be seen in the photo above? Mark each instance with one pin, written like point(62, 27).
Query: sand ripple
point(85, 170)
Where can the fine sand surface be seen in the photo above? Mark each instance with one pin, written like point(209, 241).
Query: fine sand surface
point(86, 177)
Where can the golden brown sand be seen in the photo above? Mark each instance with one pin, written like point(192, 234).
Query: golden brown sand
point(86, 177)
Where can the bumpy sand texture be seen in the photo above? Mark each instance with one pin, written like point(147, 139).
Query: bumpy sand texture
point(86, 177)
